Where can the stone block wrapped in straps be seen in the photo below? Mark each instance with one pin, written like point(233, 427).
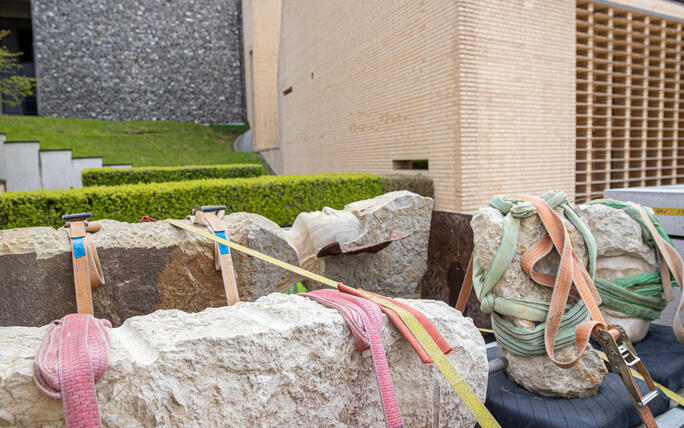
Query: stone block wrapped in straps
point(150, 266)
point(628, 265)
point(280, 361)
point(503, 232)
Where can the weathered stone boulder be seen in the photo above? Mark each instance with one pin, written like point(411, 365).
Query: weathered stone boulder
point(150, 266)
point(280, 361)
point(397, 269)
point(621, 251)
point(258, 278)
point(147, 266)
point(536, 373)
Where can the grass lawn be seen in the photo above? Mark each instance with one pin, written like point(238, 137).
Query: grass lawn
point(142, 143)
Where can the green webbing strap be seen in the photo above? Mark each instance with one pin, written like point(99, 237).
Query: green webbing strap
point(483, 283)
point(635, 295)
point(555, 198)
point(522, 341)
point(588, 237)
point(632, 212)
point(519, 340)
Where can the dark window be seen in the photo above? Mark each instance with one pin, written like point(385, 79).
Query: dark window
point(25, 44)
point(410, 164)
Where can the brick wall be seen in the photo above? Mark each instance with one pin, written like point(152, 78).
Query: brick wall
point(371, 82)
point(482, 90)
point(517, 85)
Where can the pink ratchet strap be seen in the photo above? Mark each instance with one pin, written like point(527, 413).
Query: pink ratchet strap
point(364, 318)
point(74, 356)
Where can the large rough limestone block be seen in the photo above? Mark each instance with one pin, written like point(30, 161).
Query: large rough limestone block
point(147, 266)
point(536, 373)
point(397, 269)
point(280, 361)
point(621, 251)
point(256, 277)
point(150, 266)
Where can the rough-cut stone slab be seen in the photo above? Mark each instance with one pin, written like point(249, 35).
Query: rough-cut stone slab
point(449, 250)
point(150, 266)
point(280, 361)
point(621, 251)
point(536, 373)
point(147, 266)
point(256, 277)
point(398, 269)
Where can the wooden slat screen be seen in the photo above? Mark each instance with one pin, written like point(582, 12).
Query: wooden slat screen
point(630, 113)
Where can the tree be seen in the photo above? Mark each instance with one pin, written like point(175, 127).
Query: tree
point(13, 88)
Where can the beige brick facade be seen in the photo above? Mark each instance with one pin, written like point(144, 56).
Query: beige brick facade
point(517, 99)
point(261, 38)
point(498, 96)
point(483, 90)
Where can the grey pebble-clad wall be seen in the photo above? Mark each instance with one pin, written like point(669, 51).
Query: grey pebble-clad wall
point(139, 59)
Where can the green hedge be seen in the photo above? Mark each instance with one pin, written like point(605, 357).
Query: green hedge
point(278, 198)
point(162, 174)
point(419, 184)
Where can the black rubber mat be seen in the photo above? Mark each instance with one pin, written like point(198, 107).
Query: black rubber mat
point(663, 356)
point(515, 407)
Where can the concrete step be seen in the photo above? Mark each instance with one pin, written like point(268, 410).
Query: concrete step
point(55, 169)
point(79, 164)
point(21, 165)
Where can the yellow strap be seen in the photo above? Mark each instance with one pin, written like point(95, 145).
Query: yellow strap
point(467, 395)
point(670, 393)
point(668, 211)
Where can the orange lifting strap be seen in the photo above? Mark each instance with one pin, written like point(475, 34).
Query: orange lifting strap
point(87, 269)
point(211, 216)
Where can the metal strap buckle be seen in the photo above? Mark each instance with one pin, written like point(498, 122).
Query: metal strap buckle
point(621, 358)
point(67, 218)
point(209, 208)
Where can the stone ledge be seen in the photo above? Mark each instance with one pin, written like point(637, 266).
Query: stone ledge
point(280, 361)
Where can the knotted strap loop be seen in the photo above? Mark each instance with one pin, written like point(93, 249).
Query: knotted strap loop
point(364, 318)
point(518, 340)
point(570, 271)
point(561, 319)
point(71, 359)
